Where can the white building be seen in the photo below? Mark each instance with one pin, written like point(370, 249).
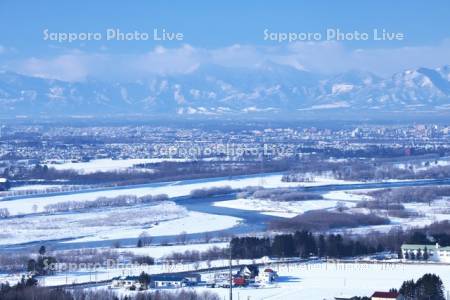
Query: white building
point(435, 252)
point(126, 282)
point(168, 281)
point(267, 276)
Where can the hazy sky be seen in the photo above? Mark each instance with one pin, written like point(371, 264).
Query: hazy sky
point(228, 34)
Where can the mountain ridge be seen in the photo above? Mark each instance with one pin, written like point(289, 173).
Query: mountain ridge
point(222, 91)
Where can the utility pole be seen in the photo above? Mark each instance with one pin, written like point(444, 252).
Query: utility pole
point(231, 274)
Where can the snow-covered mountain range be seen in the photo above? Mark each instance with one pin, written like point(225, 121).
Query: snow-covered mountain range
point(267, 89)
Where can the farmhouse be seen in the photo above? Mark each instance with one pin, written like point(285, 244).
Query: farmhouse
point(267, 276)
point(168, 281)
point(426, 252)
point(386, 296)
point(127, 282)
point(193, 279)
point(248, 271)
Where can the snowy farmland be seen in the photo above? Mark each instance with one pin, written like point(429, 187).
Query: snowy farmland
point(296, 280)
point(306, 281)
point(106, 165)
point(193, 222)
point(96, 224)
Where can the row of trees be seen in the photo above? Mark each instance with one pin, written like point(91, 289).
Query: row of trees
point(196, 256)
point(418, 256)
point(301, 244)
point(118, 201)
point(321, 220)
point(212, 191)
point(279, 194)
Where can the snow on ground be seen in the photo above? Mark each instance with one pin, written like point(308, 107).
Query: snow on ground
point(425, 214)
point(318, 281)
point(289, 209)
point(280, 208)
point(106, 165)
point(122, 222)
point(36, 187)
point(123, 269)
point(287, 215)
point(194, 222)
point(315, 281)
point(172, 189)
point(352, 196)
point(424, 164)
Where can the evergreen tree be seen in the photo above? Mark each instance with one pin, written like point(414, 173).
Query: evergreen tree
point(425, 256)
point(322, 249)
point(419, 254)
point(42, 250)
point(31, 265)
point(408, 290)
point(428, 287)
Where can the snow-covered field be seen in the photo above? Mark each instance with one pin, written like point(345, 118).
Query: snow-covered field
point(313, 281)
point(123, 222)
point(422, 215)
point(328, 280)
point(105, 165)
point(193, 222)
point(289, 209)
point(279, 208)
point(36, 187)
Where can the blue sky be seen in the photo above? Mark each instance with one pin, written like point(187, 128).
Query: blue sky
point(228, 33)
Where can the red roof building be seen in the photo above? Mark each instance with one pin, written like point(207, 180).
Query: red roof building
point(385, 296)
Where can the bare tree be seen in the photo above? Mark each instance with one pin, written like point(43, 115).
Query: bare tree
point(182, 237)
point(146, 238)
point(207, 237)
point(4, 213)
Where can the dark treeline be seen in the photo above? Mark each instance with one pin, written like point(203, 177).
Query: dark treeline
point(321, 220)
point(429, 286)
point(305, 243)
point(302, 244)
point(164, 171)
